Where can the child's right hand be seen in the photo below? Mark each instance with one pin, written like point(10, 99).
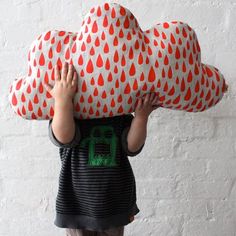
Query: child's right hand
point(65, 84)
point(225, 89)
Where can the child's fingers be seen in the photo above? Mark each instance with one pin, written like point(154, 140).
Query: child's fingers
point(139, 104)
point(155, 100)
point(64, 71)
point(75, 79)
point(48, 87)
point(57, 73)
point(152, 97)
point(70, 74)
point(146, 99)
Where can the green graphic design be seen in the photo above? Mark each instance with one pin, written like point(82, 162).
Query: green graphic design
point(101, 135)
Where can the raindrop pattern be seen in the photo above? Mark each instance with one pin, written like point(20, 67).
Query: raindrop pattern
point(117, 62)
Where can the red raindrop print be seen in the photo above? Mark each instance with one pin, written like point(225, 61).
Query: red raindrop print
point(121, 34)
point(100, 80)
point(140, 59)
point(135, 85)
point(99, 61)
point(182, 85)
point(92, 51)
point(122, 77)
point(126, 22)
point(156, 33)
point(23, 110)
point(111, 30)
point(66, 40)
point(58, 48)
point(170, 73)
point(83, 47)
point(170, 48)
point(50, 53)
point(23, 99)
point(89, 67)
point(28, 89)
point(208, 95)
point(80, 60)
point(67, 56)
point(151, 75)
point(90, 99)
point(191, 59)
point(41, 60)
point(197, 87)
point(105, 21)
point(163, 45)
point(122, 11)
point(123, 62)
point(127, 89)
point(166, 60)
point(116, 56)
point(107, 66)
point(104, 94)
point(190, 77)
point(34, 83)
point(84, 86)
point(166, 25)
point(40, 112)
point(95, 92)
point(103, 37)
point(188, 95)
point(40, 87)
point(172, 91)
point(46, 78)
point(177, 53)
point(110, 77)
point(18, 85)
point(113, 13)
point(30, 106)
point(106, 48)
point(14, 100)
point(209, 71)
point(36, 100)
point(88, 39)
point(166, 87)
point(47, 35)
point(184, 33)
point(131, 53)
point(172, 39)
point(97, 42)
point(115, 41)
point(132, 70)
point(99, 12)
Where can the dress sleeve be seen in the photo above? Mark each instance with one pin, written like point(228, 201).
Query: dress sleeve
point(56, 142)
point(125, 130)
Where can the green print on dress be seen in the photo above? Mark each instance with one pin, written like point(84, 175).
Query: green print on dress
point(101, 135)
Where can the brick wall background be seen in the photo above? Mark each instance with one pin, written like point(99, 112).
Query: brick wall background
point(186, 173)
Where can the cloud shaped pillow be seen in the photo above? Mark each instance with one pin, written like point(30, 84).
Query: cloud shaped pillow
point(117, 62)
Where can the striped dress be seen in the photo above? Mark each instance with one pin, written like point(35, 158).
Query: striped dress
point(97, 189)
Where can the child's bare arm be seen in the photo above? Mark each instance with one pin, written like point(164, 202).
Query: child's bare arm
point(137, 133)
point(138, 129)
point(63, 123)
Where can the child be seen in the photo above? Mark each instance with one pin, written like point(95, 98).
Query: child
point(97, 192)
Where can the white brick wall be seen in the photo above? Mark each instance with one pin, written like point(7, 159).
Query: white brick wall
point(186, 174)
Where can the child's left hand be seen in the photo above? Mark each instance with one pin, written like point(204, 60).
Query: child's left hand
point(146, 105)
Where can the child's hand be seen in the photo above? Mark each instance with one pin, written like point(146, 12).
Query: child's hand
point(65, 85)
point(146, 105)
point(225, 89)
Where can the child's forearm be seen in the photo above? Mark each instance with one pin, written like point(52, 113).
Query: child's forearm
point(63, 124)
point(137, 133)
